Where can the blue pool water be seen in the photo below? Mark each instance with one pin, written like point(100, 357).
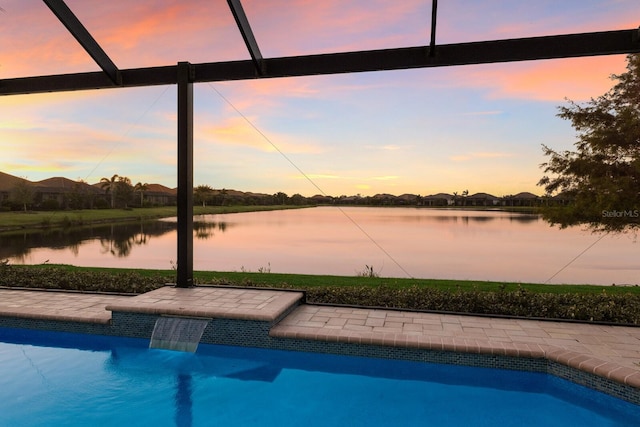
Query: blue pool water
point(61, 379)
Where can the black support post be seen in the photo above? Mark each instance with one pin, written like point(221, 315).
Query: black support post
point(185, 175)
point(434, 18)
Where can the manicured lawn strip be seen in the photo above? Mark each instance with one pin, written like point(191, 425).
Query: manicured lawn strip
point(52, 219)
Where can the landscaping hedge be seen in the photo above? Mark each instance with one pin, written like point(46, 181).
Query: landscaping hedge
point(86, 281)
point(597, 307)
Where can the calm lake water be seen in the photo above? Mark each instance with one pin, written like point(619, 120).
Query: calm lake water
point(395, 242)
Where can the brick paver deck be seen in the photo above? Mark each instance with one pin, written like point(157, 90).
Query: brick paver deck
point(53, 305)
point(609, 351)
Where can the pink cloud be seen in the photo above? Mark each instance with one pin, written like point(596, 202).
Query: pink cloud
point(463, 21)
point(285, 28)
point(135, 34)
point(163, 32)
point(34, 42)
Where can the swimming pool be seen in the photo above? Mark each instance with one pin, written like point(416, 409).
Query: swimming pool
point(64, 379)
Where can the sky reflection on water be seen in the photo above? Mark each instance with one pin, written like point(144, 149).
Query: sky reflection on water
point(396, 242)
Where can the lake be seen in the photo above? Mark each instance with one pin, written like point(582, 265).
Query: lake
point(347, 241)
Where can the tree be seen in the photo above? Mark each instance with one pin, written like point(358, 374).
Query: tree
point(22, 194)
point(202, 194)
point(601, 177)
point(109, 186)
point(79, 197)
point(223, 195)
point(141, 188)
point(120, 189)
point(280, 198)
point(123, 191)
point(297, 199)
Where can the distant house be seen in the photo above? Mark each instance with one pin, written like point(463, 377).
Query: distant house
point(408, 199)
point(251, 198)
point(522, 199)
point(55, 193)
point(347, 200)
point(65, 193)
point(320, 199)
point(159, 195)
point(7, 183)
point(482, 199)
point(384, 199)
point(440, 199)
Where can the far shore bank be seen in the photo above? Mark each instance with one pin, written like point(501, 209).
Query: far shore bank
point(39, 220)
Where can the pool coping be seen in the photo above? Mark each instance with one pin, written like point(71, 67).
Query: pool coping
point(572, 359)
point(225, 302)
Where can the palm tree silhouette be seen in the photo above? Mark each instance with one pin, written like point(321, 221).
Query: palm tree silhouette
point(109, 186)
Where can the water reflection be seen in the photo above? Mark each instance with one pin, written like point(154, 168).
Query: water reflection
point(204, 230)
point(184, 401)
point(397, 242)
point(117, 240)
point(481, 217)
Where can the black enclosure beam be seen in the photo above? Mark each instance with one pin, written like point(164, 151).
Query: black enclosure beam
point(247, 34)
point(511, 50)
point(185, 175)
point(77, 30)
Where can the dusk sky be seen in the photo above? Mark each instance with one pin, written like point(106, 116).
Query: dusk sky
point(476, 128)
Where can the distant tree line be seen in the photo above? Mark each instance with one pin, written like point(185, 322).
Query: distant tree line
point(118, 191)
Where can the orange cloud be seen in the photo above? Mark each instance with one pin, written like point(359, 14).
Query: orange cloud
point(552, 80)
point(321, 176)
point(479, 155)
point(237, 132)
point(331, 183)
point(45, 101)
point(388, 147)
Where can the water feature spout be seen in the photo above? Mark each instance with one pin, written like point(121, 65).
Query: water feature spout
point(178, 333)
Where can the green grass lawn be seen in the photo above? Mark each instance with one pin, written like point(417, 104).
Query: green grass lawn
point(304, 281)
